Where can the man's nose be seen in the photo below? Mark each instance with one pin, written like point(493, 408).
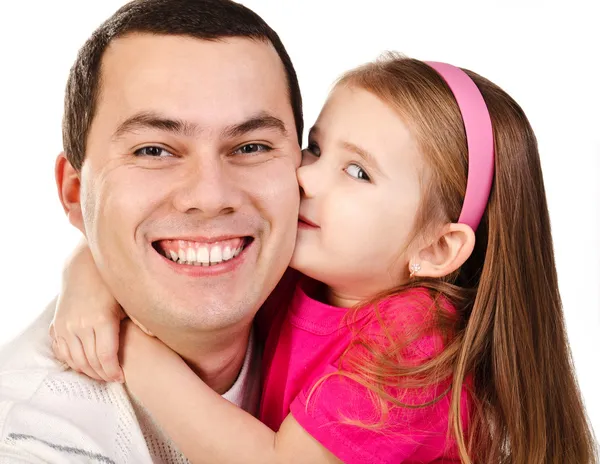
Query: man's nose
point(207, 187)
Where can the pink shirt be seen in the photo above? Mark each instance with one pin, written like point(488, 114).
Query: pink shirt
point(305, 343)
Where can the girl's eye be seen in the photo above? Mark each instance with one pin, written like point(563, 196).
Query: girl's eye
point(354, 170)
point(313, 149)
point(153, 151)
point(251, 149)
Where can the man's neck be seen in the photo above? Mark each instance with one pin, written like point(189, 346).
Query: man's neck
point(216, 358)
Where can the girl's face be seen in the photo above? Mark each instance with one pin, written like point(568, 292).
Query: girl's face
point(361, 188)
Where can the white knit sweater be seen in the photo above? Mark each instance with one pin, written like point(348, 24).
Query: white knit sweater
point(49, 414)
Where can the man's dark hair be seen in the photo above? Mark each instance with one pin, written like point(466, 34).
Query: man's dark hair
point(202, 19)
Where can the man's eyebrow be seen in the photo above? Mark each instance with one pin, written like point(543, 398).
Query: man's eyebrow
point(152, 120)
point(262, 120)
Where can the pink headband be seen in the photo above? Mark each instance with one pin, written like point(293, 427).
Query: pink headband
point(480, 141)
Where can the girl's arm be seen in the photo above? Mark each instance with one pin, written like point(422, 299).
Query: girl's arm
point(206, 427)
point(85, 328)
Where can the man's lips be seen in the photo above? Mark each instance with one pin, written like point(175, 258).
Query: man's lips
point(308, 222)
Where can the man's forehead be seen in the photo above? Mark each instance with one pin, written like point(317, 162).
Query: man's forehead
point(211, 82)
point(137, 49)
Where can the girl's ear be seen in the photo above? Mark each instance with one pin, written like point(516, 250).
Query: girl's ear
point(448, 252)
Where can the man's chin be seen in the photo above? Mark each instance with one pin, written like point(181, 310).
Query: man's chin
point(204, 315)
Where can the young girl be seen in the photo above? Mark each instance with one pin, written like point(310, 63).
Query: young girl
point(427, 323)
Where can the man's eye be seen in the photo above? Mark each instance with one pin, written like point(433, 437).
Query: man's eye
point(156, 152)
point(251, 149)
point(354, 170)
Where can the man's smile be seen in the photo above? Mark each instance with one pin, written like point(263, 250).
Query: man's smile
point(202, 252)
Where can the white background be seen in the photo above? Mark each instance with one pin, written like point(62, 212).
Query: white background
point(544, 53)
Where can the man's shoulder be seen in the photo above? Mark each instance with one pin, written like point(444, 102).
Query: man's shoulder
point(56, 415)
point(27, 360)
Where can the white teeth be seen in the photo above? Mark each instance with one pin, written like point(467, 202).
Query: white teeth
point(191, 256)
point(202, 255)
point(215, 255)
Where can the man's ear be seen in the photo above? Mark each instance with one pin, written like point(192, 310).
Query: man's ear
point(449, 251)
point(68, 182)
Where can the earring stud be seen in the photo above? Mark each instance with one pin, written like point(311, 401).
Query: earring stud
point(414, 268)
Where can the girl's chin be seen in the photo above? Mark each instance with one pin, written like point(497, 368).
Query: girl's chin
point(309, 271)
point(301, 261)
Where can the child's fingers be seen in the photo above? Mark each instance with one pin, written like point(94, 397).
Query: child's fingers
point(88, 341)
point(141, 326)
point(58, 354)
point(107, 349)
point(62, 352)
point(79, 358)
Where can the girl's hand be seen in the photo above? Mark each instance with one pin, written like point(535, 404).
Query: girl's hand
point(85, 328)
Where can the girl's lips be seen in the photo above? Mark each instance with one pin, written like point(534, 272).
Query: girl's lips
point(303, 221)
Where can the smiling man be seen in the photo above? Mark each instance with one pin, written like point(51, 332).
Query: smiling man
point(181, 135)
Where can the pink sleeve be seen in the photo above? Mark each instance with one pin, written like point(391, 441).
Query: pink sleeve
point(410, 435)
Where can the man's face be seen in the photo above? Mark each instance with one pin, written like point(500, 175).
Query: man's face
point(188, 191)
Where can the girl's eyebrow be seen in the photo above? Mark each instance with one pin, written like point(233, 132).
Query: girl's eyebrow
point(364, 154)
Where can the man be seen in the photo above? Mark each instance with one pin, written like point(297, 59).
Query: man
point(181, 135)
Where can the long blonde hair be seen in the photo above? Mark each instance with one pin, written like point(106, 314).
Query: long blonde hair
point(508, 335)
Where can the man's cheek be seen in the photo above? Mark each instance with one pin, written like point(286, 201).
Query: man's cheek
point(132, 199)
point(88, 211)
point(283, 189)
